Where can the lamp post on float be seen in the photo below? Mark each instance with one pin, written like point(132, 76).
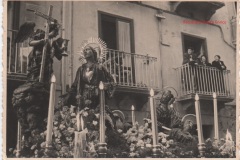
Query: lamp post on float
point(102, 146)
point(155, 152)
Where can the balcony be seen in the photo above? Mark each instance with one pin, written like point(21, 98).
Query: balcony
point(133, 72)
point(204, 81)
point(197, 10)
point(17, 59)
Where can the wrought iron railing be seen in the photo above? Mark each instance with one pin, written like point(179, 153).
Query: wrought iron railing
point(17, 56)
point(203, 80)
point(128, 69)
point(133, 70)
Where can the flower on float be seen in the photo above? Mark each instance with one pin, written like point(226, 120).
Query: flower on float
point(208, 140)
point(85, 114)
point(120, 131)
point(69, 139)
point(148, 145)
point(55, 123)
point(132, 154)
point(62, 127)
point(97, 115)
point(71, 130)
point(57, 140)
point(132, 147)
point(33, 147)
point(140, 143)
point(36, 152)
point(74, 120)
point(73, 114)
point(65, 150)
point(72, 108)
point(95, 123)
point(43, 144)
point(164, 141)
point(88, 102)
point(65, 108)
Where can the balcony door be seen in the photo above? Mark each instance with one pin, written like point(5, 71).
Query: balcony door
point(117, 32)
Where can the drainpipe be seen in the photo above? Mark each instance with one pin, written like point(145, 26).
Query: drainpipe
point(63, 65)
point(71, 39)
point(160, 17)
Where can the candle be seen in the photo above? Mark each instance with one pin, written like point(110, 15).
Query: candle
point(51, 112)
point(216, 134)
point(154, 124)
point(133, 115)
point(102, 146)
point(19, 140)
point(102, 113)
point(199, 126)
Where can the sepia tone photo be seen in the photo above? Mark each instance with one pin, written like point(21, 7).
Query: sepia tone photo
point(120, 79)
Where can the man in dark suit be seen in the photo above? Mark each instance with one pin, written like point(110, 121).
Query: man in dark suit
point(190, 57)
point(188, 77)
point(218, 63)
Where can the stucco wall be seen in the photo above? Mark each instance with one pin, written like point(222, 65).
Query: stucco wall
point(86, 25)
point(172, 55)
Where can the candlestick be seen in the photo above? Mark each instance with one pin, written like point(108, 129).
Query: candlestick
point(216, 133)
point(155, 151)
point(51, 113)
point(19, 137)
point(133, 115)
point(102, 146)
point(201, 145)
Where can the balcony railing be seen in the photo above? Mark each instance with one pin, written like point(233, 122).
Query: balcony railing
point(203, 80)
point(17, 57)
point(132, 70)
point(129, 70)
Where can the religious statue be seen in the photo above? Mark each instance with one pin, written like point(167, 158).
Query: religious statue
point(84, 91)
point(166, 114)
point(168, 118)
point(30, 100)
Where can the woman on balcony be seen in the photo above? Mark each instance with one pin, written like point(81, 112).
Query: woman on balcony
point(203, 74)
point(203, 61)
point(220, 85)
point(218, 63)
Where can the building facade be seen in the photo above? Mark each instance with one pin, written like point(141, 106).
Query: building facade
point(146, 42)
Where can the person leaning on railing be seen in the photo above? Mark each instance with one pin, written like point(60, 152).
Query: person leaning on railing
point(190, 58)
point(217, 63)
point(203, 73)
point(203, 61)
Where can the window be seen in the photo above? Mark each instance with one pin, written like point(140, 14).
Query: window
point(117, 32)
point(197, 43)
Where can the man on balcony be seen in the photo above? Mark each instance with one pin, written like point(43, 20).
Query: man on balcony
point(190, 57)
point(188, 76)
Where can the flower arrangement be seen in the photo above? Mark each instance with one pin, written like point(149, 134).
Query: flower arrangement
point(135, 142)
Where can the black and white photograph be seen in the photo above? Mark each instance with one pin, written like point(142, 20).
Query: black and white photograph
point(120, 79)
